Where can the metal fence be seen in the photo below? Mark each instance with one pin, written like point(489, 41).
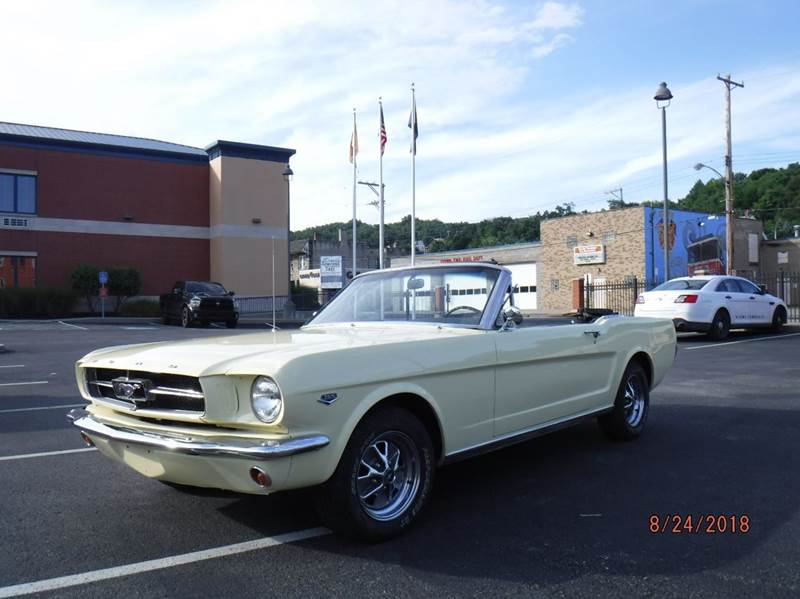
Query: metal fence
point(620, 296)
point(785, 285)
point(262, 303)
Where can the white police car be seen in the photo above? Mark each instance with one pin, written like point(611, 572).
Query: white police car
point(713, 304)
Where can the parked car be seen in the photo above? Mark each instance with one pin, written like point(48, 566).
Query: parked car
point(713, 305)
point(199, 302)
point(405, 370)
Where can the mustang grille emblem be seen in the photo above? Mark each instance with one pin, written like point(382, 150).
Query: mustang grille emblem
point(133, 390)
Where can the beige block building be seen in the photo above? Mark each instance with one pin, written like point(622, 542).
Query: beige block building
point(619, 232)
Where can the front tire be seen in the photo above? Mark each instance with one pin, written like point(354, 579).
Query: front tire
point(778, 319)
point(186, 318)
point(631, 406)
point(720, 326)
point(231, 324)
point(383, 479)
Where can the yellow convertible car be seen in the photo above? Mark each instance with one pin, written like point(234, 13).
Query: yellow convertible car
point(405, 370)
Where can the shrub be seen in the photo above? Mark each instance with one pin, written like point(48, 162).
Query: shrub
point(141, 307)
point(29, 302)
point(305, 297)
point(86, 283)
point(123, 283)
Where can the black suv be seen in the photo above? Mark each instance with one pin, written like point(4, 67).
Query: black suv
point(199, 302)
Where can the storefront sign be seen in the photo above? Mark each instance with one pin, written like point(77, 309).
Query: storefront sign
point(330, 270)
point(783, 257)
point(477, 258)
point(310, 277)
point(589, 254)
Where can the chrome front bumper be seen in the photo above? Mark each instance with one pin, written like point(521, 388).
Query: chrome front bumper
point(258, 450)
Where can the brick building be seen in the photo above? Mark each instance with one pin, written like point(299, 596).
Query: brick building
point(173, 212)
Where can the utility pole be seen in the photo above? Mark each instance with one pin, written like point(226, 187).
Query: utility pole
point(728, 175)
point(614, 192)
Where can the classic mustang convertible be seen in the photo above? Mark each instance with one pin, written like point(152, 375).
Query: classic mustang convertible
point(405, 370)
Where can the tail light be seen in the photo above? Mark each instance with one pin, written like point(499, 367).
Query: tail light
point(686, 299)
point(640, 299)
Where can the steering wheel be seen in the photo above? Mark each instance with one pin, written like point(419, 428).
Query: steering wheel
point(468, 308)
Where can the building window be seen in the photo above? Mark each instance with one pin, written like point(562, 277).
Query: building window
point(572, 241)
point(609, 237)
point(17, 193)
point(17, 271)
point(554, 285)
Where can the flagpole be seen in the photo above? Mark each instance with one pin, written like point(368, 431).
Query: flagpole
point(355, 152)
point(413, 175)
point(380, 172)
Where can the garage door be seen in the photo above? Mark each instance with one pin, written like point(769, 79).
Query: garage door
point(524, 278)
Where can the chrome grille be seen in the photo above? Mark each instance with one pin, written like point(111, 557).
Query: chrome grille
point(140, 390)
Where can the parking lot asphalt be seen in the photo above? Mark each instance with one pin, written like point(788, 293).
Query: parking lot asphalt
point(564, 515)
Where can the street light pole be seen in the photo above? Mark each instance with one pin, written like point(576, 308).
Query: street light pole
point(662, 98)
point(728, 222)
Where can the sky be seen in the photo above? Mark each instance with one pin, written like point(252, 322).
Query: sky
point(521, 105)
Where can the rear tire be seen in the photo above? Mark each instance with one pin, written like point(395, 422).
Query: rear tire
point(383, 479)
point(778, 319)
point(231, 324)
point(627, 418)
point(720, 326)
point(166, 319)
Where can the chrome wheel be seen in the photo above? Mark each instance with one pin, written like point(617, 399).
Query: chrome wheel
point(388, 476)
point(634, 401)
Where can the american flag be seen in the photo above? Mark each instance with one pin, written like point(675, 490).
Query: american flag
point(383, 132)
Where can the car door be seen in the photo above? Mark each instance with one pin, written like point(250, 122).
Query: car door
point(728, 293)
point(759, 310)
point(548, 373)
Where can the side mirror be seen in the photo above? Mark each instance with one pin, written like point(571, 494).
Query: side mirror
point(763, 289)
point(513, 314)
point(176, 291)
point(231, 292)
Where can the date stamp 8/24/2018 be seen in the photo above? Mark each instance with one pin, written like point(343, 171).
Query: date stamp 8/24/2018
point(699, 523)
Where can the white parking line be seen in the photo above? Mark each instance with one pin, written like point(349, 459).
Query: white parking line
point(24, 383)
point(67, 324)
point(140, 328)
point(13, 366)
point(25, 456)
point(784, 336)
point(71, 405)
point(62, 582)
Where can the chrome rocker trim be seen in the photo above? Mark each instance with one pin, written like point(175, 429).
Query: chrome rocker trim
point(266, 450)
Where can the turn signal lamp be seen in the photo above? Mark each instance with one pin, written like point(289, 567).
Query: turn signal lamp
point(686, 299)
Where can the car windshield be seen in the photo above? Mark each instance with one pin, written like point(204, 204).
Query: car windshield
point(205, 287)
point(452, 295)
point(680, 284)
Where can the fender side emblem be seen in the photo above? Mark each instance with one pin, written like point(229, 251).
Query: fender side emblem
point(328, 398)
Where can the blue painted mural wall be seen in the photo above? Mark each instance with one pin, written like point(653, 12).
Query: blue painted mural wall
point(696, 242)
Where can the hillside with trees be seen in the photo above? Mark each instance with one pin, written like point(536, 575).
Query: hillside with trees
point(769, 194)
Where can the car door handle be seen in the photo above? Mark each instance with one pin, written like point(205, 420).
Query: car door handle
point(751, 297)
point(727, 297)
point(594, 334)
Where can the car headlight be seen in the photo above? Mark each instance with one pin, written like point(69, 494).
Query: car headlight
point(266, 400)
point(194, 302)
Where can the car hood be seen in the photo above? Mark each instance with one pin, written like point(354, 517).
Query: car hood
point(263, 352)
